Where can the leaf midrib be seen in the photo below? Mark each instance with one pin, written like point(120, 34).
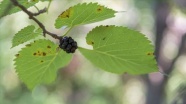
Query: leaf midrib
point(49, 65)
point(113, 56)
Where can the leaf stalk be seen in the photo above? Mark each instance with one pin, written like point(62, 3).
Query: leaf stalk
point(32, 16)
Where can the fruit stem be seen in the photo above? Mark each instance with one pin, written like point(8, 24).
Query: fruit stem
point(49, 5)
point(36, 8)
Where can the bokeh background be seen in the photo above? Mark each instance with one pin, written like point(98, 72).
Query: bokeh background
point(162, 21)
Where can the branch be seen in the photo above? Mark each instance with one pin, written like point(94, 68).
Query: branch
point(31, 16)
point(40, 12)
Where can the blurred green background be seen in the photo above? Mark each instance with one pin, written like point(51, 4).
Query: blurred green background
point(162, 21)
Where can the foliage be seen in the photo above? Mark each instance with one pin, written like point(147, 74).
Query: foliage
point(6, 4)
point(115, 49)
point(119, 50)
point(39, 62)
point(25, 35)
point(83, 14)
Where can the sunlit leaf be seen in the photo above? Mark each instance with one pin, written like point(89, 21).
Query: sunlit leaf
point(120, 50)
point(25, 35)
point(39, 63)
point(83, 14)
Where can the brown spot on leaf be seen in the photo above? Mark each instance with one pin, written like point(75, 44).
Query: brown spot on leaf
point(28, 45)
point(41, 61)
point(35, 54)
point(17, 55)
point(65, 14)
point(107, 26)
point(150, 53)
point(100, 8)
point(90, 42)
point(48, 46)
point(44, 54)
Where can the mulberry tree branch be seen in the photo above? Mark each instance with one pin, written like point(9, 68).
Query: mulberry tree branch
point(31, 16)
point(40, 12)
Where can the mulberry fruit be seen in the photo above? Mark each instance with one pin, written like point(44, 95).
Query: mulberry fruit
point(68, 44)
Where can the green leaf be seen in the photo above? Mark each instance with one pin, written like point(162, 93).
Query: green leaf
point(119, 50)
point(25, 35)
point(83, 14)
point(46, 0)
point(38, 63)
point(7, 8)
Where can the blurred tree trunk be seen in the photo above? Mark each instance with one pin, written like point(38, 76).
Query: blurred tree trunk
point(184, 98)
point(155, 92)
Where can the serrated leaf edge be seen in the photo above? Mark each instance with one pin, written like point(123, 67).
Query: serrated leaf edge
point(79, 4)
point(14, 60)
point(27, 47)
point(35, 29)
point(149, 42)
point(120, 27)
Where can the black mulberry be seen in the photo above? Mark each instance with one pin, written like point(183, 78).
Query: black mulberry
point(68, 44)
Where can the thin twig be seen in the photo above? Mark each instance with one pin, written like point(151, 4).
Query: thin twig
point(49, 5)
point(40, 12)
point(36, 8)
point(31, 16)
